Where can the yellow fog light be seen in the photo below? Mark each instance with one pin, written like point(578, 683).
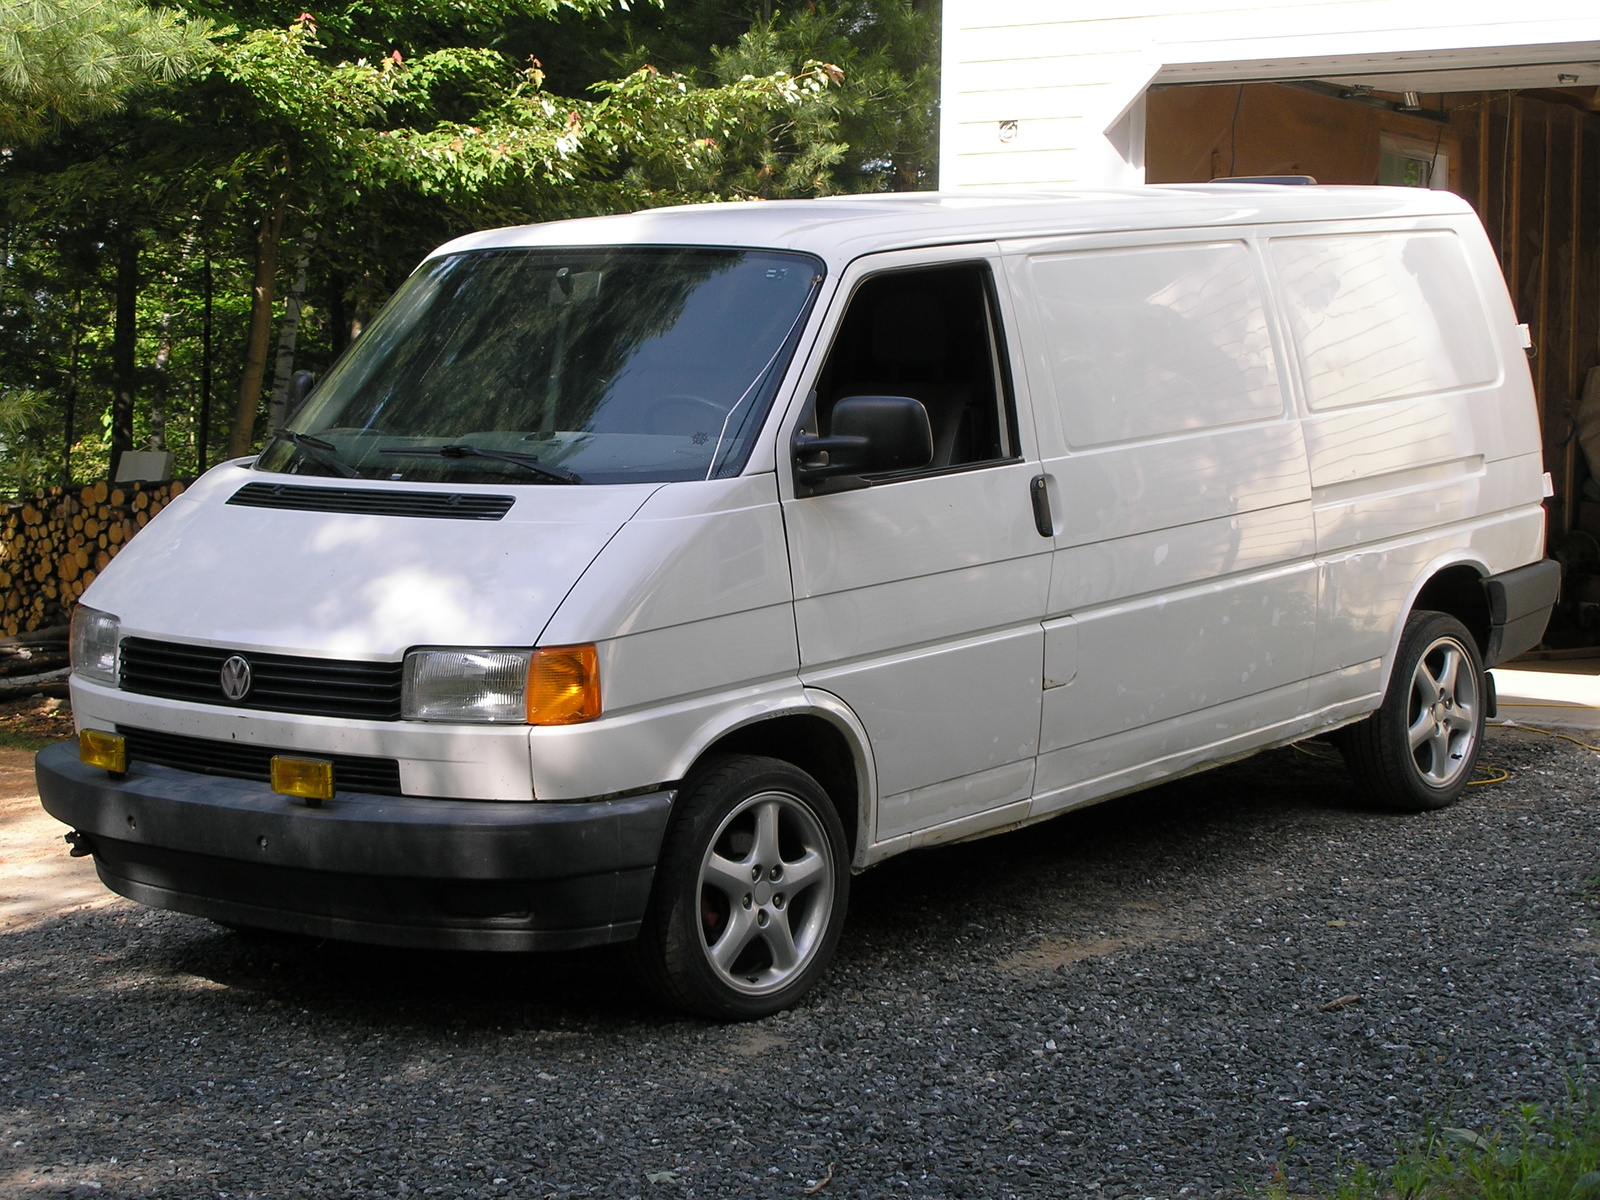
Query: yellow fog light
point(309, 778)
point(97, 748)
point(563, 685)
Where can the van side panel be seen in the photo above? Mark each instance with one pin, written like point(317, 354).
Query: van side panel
point(1183, 587)
point(1228, 619)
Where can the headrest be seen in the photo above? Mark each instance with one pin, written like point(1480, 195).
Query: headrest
point(909, 328)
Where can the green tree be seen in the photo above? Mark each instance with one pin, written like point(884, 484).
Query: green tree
point(459, 123)
point(66, 61)
point(875, 129)
point(331, 154)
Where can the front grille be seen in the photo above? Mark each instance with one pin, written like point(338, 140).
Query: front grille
point(377, 502)
point(319, 687)
point(351, 773)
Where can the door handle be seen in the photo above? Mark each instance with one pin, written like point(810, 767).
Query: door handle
point(1042, 521)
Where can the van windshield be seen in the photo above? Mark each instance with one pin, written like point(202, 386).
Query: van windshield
point(555, 366)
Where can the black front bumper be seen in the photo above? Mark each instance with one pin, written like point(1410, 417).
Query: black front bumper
point(448, 874)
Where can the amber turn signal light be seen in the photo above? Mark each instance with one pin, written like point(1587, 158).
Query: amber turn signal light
point(97, 748)
point(563, 685)
point(311, 779)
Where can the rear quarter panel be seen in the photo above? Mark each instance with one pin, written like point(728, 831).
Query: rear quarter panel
point(1403, 487)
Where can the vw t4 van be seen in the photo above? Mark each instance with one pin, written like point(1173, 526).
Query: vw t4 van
point(641, 578)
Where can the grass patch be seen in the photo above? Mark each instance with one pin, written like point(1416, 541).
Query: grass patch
point(1541, 1154)
point(25, 739)
point(34, 722)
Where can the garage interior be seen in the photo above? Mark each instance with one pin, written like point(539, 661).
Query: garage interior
point(1527, 158)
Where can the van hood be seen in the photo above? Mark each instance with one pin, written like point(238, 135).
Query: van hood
point(354, 585)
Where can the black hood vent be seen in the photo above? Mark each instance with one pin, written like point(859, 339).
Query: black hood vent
point(378, 502)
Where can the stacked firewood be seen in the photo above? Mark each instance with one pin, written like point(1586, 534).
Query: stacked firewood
point(55, 542)
point(34, 663)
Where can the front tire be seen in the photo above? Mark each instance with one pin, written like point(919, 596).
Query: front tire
point(1418, 751)
point(750, 891)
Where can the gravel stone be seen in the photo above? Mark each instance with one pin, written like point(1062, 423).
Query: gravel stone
point(1190, 992)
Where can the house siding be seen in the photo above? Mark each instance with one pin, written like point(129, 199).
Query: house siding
point(1068, 79)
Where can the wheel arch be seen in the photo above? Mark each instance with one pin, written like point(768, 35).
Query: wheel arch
point(826, 741)
point(1457, 589)
point(1453, 586)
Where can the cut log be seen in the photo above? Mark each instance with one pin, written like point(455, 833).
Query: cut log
point(53, 544)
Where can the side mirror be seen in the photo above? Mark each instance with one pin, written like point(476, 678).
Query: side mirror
point(870, 434)
point(300, 385)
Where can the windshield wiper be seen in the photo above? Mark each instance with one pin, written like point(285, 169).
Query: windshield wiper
point(318, 450)
point(529, 462)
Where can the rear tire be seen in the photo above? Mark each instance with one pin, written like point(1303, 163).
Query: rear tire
point(1419, 750)
point(750, 891)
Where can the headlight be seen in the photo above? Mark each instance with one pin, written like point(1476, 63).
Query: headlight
point(94, 644)
point(490, 686)
point(547, 686)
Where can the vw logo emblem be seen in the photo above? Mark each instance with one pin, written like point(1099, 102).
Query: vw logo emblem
point(236, 678)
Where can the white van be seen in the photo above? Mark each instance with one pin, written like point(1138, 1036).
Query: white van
point(643, 577)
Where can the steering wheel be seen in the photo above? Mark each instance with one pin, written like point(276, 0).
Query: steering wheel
point(689, 407)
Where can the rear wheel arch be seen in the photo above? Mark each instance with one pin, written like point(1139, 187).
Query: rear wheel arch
point(1456, 590)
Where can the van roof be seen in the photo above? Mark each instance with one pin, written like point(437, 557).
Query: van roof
point(840, 228)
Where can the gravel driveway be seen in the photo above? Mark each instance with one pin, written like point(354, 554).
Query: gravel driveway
point(1174, 994)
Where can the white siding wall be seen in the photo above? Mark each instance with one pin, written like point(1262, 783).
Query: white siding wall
point(1071, 74)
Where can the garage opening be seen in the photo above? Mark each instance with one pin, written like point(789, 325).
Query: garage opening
point(1527, 159)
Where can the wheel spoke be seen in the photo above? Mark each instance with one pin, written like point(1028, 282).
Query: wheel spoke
point(765, 850)
point(1461, 718)
point(1426, 686)
point(1421, 729)
point(803, 872)
point(730, 878)
point(1447, 677)
point(741, 928)
point(1439, 748)
point(780, 940)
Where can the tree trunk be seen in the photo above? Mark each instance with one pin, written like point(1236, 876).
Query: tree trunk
point(70, 404)
point(338, 314)
point(124, 339)
point(288, 333)
point(202, 436)
point(159, 402)
point(366, 305)
point(242, 435)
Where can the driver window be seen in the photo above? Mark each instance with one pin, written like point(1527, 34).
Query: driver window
point(929, 334)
